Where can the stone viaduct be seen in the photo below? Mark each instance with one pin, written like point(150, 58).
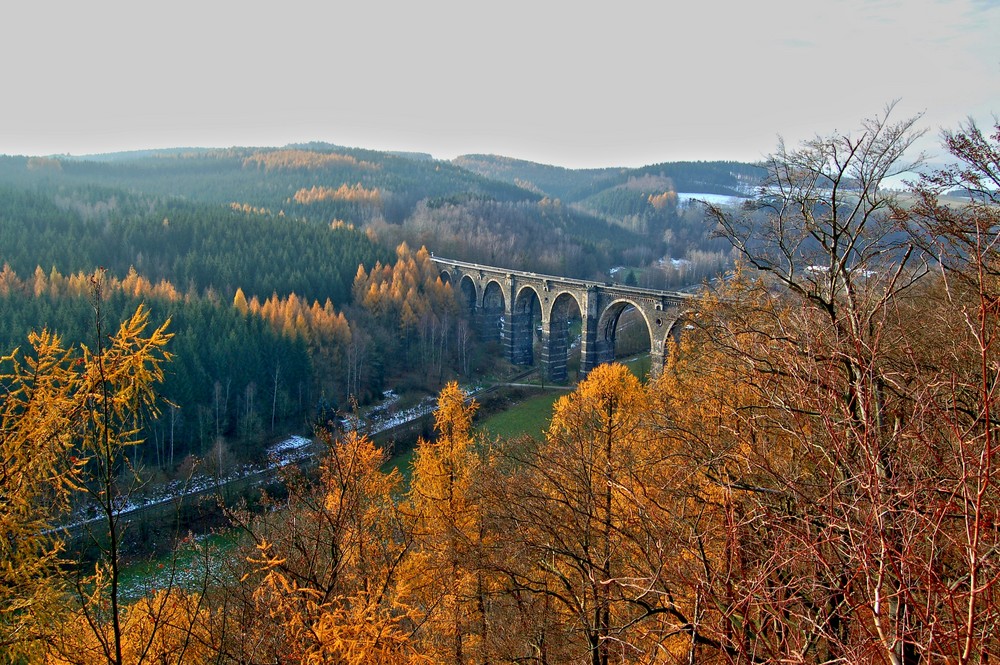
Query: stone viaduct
point(504, 304)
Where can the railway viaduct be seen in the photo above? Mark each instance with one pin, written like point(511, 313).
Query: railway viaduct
point(504, 303)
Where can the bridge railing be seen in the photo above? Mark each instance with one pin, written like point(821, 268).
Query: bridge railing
point(569, 281)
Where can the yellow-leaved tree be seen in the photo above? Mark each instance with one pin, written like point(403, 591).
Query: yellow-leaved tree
point(67, 418)
point(169, 626)
point(116, 393)
point(320, 586)
point(444, 582)
point(590, 512)
point(37, 477)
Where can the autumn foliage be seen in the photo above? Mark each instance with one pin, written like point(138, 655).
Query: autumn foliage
point(302, 159)
point(356, 193)
point(812, 479)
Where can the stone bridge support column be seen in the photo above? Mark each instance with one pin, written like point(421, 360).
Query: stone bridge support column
point(522, 336)
point(477, 321)
point(518, 337)
point(605, 350)
point(555, 345)
point(588, 334)
point(507, 336)
point(489, 324)
point(657, 357)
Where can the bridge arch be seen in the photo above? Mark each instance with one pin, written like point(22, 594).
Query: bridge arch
point(526, 305)
point(683, 322)
point(565, 311)
point(608, 325)
point(493, 307)
point(467, 294)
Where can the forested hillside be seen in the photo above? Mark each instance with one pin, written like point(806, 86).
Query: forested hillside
point(254, 256)
point(194, 246)
point(811, 479)
point(176, 311)
point(571, 185)
point(642, 201)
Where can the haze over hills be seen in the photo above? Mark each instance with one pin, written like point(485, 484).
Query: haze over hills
point(727, 178)
point(499, 204)
point(305, 257)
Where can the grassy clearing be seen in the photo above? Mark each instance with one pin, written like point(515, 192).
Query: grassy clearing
point(401, 463)
point(639, 365)
point(530, 417)
point(186, 567)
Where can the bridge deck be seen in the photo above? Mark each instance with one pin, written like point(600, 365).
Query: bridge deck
point(679, 296)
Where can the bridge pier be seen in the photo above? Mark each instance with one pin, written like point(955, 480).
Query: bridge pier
point(493, 318)
point(555, 347)
point(588, 334)
point(521, 339)
point(588, 348)
point(476, 323)
point(658, 357)
point(507, 337)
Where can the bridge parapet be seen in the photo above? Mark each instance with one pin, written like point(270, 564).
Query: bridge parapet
point(506, 300)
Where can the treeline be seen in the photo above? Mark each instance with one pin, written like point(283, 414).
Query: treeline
point(543, 236)
point(195, 247)
point(572, 185)
point(324, 184)
point(414, 320)
point(724, 177)
point(232, 376)
point(557, 182)
point(265, 178)
point(641, 201)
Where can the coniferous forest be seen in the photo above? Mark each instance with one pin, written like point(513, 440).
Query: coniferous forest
point(263, 259)
point(811, 479)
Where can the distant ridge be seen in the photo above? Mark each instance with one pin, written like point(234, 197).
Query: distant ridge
point(417, 156)
point(574, 185)
point(134, 154)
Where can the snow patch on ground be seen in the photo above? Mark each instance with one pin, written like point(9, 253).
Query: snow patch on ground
point(685, 198)
point(385, 415)
point(283, 453)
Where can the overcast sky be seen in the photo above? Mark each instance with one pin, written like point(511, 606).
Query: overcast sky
point(569, 83)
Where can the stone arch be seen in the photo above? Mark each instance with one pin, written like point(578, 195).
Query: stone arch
point(521, 330)
point(492, 308)
point(679, 322)
point(607, 327)
point(675, 325)
point(564, 311)
point(466, 294)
